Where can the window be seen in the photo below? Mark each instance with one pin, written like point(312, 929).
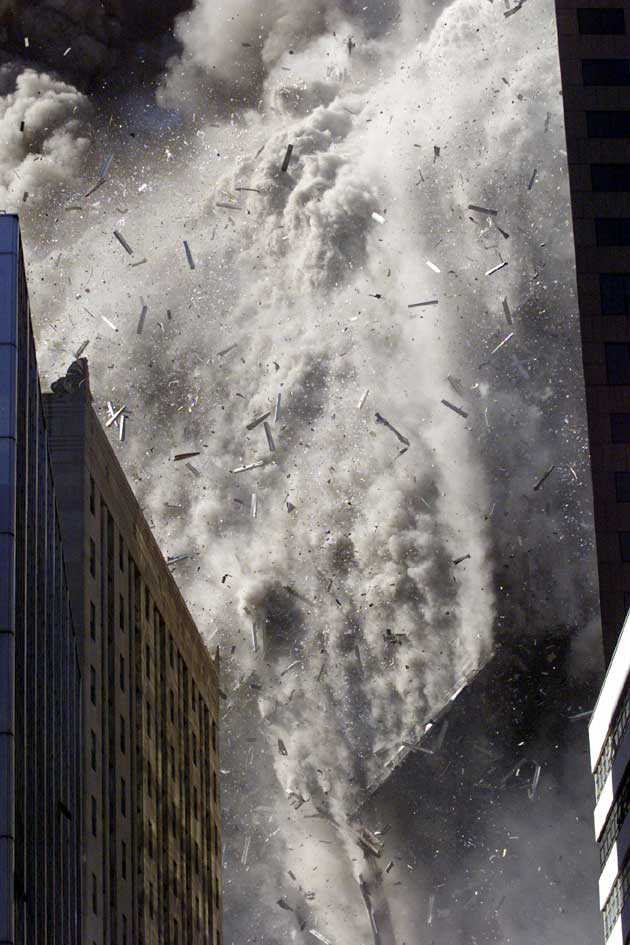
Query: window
point(121, 553)
point(123, 860)
point(617, 362)
point(147, 660)
point(216, 893)
point(606, 72)
point(612, 231)
point(94, 895)
point(123, 797)
point(172, 762)
point(193, 697)
point(624, 541)
point(214, 735)
point(147, 603)
point(149, 779)
point(620, 427)
point(92, 558)
point(92, 621)
point(622, 486)
point(175, 878)
point(171, 651)
point(198, 913)
point(93, 750)
point(607, 21)
point(194, 749)
point(123, 741)
point(175, 931)
point(614, 291)
point(172, 701)
point(174, 813)
point(195, 802)
point(151, 899)
point(92, 495)
point(608, 124)
point(122, 673)
point(150, 832)
point(93, 816)
point(92, 685)
point(197, 857)
point(121, 613)
point(215, 791)
point(149, 719)
point(612, 178)
point(124, 930)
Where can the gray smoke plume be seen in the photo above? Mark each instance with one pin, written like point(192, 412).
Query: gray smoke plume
point(381, 563)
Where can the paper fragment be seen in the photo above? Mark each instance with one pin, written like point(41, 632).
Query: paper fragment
point(319, 937)
point(102, 174)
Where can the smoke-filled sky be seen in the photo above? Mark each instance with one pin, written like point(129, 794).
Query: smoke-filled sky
point(351, 219)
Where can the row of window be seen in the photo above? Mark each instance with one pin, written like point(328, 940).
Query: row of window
point(613, 740)
point(615, 820)
point(617, 899)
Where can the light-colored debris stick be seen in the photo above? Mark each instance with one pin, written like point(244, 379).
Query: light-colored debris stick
point(256, 465)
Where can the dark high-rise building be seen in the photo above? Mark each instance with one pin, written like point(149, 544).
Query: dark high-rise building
point(151, 816)
point(40, 684)
point(594, 46)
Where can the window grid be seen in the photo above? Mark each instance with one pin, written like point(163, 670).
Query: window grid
point(614, 739)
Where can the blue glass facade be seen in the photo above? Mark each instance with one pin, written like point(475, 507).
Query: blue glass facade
point(40, 681)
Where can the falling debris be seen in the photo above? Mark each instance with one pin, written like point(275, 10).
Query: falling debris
point(143, 315)
point(506, 311)
point(487, 210)
point(494, 269)
point(547, 120)
point(432, 266)
point(581, 715)
point(459, 560)
point(240, 469)
point(92, 189)
point(543, 478)
point(514, 9)
point(284, 905)
point(80, 350)
point(21, 126)
point(287, 158)
point(319, 937)
point(501, 343)
point(245, 852)
point(505, 235)
point(270, 443)
point(191, 261)
point(67, 50)
point(121, 428)
point(422, 304)
point(177, 558)
point(178, 456)
point(254, 423)
point(115, 416)
point(193, 470)
point(436, 152)
point(123, 242)
point(386, 423)
point(457, 385)
point(377, 216)
point(25, 196)
point(369, 841)
point(282, 748)
point(363, 398)
point(102, 174)
point(430, 912)
point(531, 791)
point(254, 504)
point(276, 415)
point(290, 667)
point(228, 206)
point(389, 866)
point(533, 177)
point(255, 637)
point(451, 406)
point(227, 350)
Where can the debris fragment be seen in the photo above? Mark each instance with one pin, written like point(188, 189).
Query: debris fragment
point(436, 152)
point(21, 126)
point(80, 350)
point(121, 428)
point(287, 157)
point(371, 843)
point(67, 50)
point(245, 852)
point(143, 315)
point(506, 311)
point(191, 261)
point(254, 423)
point(543, 478)
point(377, 216)
point(178, 456)
point(531, 791)
point(422, 304)
point(114, 417)
point(93, 188)
point(107, 163)
point(430, 912)
point(270, 443)
point(193, 470)
point(432, 266)
point(505, 235)
point(227, 350)
point(320, 937)
point(501, 343)
point(493, 213)
point(456, 384)
point(363, 398)
point(290, 666)
point(240, 469)
point(254, 504)
point(284, 905)
point(451, 406)
point(276, 415)
point(501, 265)
point(514, 9)
point(459, 560)
point(389, 866)
point(581, 715)
point(282, 748)
point(177, 558)
point(533, 177)
point(386, 423)
point(228, 206)
point(123, 242)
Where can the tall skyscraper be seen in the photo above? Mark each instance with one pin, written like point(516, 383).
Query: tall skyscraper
point(594, 46)
point(609, 738)
point(40, 684)
point(151, 816)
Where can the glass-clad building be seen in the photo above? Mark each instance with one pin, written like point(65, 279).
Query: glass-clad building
point(40, 682)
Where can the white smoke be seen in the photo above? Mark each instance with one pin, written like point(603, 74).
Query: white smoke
point(353, 582)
